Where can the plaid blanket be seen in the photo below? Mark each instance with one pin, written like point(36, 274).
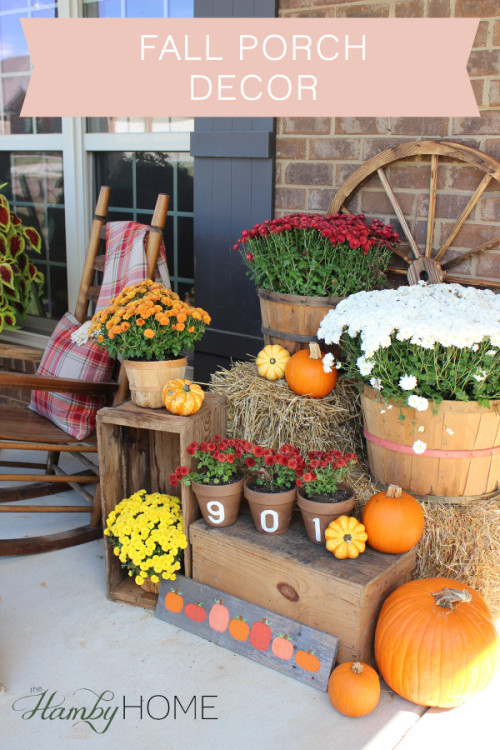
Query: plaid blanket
point(126, 260)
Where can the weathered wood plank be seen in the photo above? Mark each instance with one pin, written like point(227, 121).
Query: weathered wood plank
point(250, 630)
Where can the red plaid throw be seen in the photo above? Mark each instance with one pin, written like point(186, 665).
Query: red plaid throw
point(73, 413)
point(126, 260)
point(125, 265)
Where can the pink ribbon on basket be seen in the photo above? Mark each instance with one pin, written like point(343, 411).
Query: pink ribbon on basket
point(431, 452)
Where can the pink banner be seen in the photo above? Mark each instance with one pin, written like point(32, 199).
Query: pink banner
point(236, 67)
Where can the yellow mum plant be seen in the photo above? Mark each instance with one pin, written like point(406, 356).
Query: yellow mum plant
point(145, 532)
point(147, 321)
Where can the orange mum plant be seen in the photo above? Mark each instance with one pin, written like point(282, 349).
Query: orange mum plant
point(148, 322)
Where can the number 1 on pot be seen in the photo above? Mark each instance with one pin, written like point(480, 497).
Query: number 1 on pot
point(216, 511)
point(317, 529)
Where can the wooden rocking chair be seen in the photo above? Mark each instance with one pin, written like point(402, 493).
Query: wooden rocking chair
point(23, 429)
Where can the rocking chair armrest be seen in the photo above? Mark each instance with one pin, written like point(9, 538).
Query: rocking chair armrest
point(57, 385)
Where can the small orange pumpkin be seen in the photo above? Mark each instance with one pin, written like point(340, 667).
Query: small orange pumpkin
point(182, 397)
point(436, 643)
point(393, 520)
point(354, 688)
point(305, 375)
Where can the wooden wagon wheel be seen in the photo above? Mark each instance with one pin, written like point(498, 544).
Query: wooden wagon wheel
point(424, 265)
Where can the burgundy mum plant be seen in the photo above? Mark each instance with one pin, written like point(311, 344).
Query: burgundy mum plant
point(316, 255)
point(274, 471)
point(324, 471)
point(220, 461)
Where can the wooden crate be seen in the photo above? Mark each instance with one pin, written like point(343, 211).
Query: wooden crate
point(300, 580)
point(15, 358)
point(139, 449)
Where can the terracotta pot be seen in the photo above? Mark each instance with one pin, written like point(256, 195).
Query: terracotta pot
point(219, 503)
point(152, 588)
point(271, 511)
point(146, 379)
point(317, 516)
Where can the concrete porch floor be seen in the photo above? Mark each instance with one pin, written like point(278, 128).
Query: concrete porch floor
point(59, 633)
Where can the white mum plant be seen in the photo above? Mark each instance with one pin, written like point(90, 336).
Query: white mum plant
point(420, 343)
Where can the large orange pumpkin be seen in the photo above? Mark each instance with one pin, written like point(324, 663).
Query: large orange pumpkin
point(182, 397)
point(354, 688)
point(305, 375)
point(393, 520)
point(436, 643)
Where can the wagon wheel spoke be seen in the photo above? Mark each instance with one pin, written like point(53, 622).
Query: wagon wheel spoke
point(399, 213)
point(465, 213)
point(472, 281)
point(475, 251)
point(432, 206)
point(395, 269)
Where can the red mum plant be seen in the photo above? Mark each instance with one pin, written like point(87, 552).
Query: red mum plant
point(17, 273)
point(220, 461)
point(315, 255)
point(324, 471)
point(274, 471)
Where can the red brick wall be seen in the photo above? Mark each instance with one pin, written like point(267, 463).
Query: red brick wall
point(315, 155)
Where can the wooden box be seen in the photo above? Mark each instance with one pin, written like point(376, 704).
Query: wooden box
point(139, 449)
point(300, 580)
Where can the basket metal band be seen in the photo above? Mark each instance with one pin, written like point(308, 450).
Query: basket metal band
point(299, 337)
point(431, 452)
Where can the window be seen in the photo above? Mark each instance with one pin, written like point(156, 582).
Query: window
point(54, 167)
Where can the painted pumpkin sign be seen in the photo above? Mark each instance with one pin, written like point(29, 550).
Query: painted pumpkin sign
point(277, 642)
point(218, 618)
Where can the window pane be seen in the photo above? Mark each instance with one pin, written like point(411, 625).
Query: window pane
point(139, 9)
point(35, 190)
point(102, 9)
point(15, 68)
point(181, 8)
point(135, 180)
point(115, 169)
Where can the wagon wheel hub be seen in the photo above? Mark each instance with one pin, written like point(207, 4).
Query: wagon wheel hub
point(425, 269)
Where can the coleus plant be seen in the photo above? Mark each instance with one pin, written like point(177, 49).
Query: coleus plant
point(17, 273)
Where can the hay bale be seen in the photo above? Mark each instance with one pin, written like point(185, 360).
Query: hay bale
point(460, 541)
point(269, 413)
